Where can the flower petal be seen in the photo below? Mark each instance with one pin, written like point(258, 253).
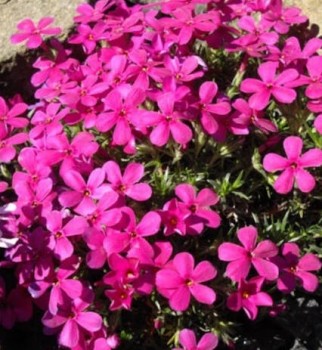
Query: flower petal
point(90, 321)
point(203, 272)
point(238, 269)
point(69, 335)
point(207, 197)
point(139, 192)
point(309, 262)
point(267, 71)
point(149, 224)
point(311, 158)
point(187, 339)
point(247, 236)
point(203, 294)
point(231, 252)
point(293, 147)
point(273, 162)
point(283, 94)
point(265, 249)
point(186, 193)
point(184, 264)
point(286, 282)
point(234, 301)
point(133, 173)
point(310, 282)
point(208, 91)
point(180, 132)
point(180, 299)
point(304, 180)
point(208, 342)
point(168, 279)
point(261, 299)
point(265, 268)
point(113, 172)
point(260, 100)
point(284, 183)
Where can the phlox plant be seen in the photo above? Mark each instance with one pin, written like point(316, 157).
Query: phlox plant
point(140, 205)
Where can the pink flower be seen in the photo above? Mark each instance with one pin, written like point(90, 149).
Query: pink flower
point(82, 147)
point(246, 115)
point(118, 73)
point(249, 297)
point(283, 17)
point(33, 256)
point(48, 69)
point(258, 30)
point(209, 110)
point(9, 116)
point(295, 268)
point(122, 111)
point(169, 6)
point(87, 13)
point(109, 343)
point(188, 23)
point(199, 204)
point(291, 52)
point(179, 278)
point(89, 37)
point(122, 26)
point(102, 213)
point(54, 87)
point(314, 81)
point(188, 340)
point(83, 192)
point(60, 233)
point(33, 32)
point(167, 122)
point(174, 215)
point(121, 296)
point(97, 256)
point(7, 141)
point(270, 85)
point(293, 166)
point(250, 44)
point(144, 69)
point(182, 72)
point(125, 278)
point(48, 121)
point(241, 258)
point(86, 94)
point(61, 287)
point(124, 270)
point(34, 170)
point(35, 200)
point(127, 185)
point(134, 234)
point(74, 320)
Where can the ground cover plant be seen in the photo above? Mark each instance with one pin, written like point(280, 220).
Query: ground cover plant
point(163, 186)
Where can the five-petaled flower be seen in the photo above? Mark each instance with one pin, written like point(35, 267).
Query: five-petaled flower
point(249, 296)
point(179, 278)
point(241, 258)
point(33, 33)
point(270, 84)
point(293, 166)
point(294, 268)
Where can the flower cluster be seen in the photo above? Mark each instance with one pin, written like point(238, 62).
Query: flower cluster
point(286, 269)
point(98, 224)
